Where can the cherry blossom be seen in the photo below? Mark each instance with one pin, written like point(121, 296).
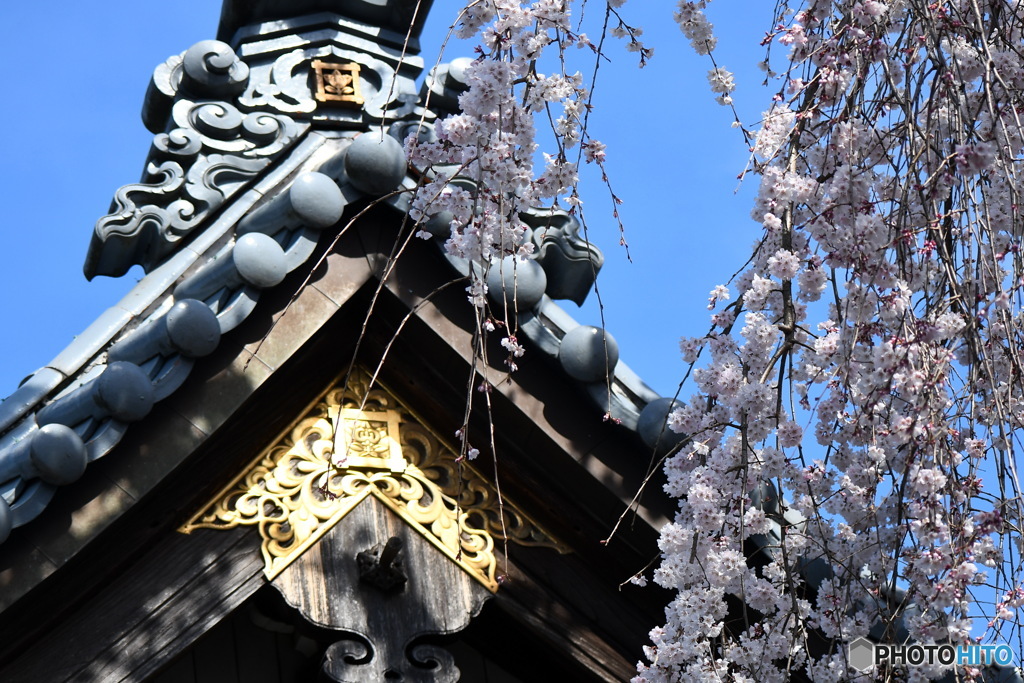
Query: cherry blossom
point(856, 406)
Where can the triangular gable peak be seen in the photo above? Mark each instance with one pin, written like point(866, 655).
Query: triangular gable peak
point(358, 477)
point(358, 442)
point(239, 192)
point(273, 200)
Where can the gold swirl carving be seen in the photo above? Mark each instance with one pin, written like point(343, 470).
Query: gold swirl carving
point(346, 448)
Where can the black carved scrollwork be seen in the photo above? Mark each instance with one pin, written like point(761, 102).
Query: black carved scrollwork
point(136, 219)
point(180, 144)
point(351, 660)
point(263, 129)
point(213, 150)
point(570, 262)
point(205, 149)
point(435, 661)
point(224, 127)
point(284, 85)
point(211, 69)
point(218, 120)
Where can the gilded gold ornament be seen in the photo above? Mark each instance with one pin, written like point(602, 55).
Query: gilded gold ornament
point(354, 442)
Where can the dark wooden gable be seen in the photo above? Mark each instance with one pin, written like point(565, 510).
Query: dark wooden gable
point(273, 289)
point(140, 594)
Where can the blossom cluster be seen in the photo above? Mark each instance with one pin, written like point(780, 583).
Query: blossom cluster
point(477, 165)
point(849, 461)
point(857, 404)
point(480, 168)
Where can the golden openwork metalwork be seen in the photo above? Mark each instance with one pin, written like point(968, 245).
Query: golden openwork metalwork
point(337, 82)
point(356, 442)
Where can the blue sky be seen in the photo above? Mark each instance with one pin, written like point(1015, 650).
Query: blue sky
point(73, 85)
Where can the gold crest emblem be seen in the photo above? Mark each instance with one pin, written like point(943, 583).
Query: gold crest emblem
point(337, 82)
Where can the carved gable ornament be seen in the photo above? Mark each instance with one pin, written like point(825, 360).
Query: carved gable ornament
point(354, 443)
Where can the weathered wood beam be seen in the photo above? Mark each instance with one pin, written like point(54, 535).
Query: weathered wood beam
point(134, 626)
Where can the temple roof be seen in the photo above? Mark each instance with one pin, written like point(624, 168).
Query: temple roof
point(247, 174)
point(400, 17)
